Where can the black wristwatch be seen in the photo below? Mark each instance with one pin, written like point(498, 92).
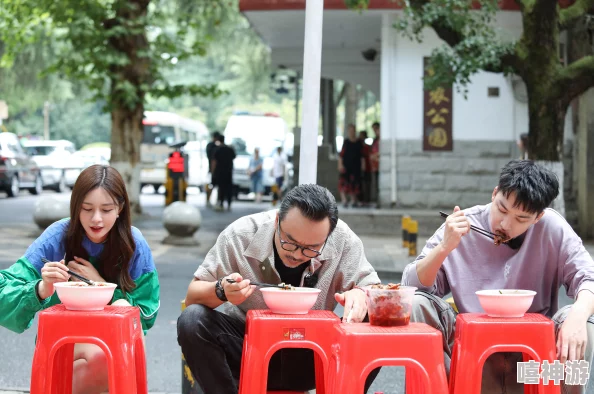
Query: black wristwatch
point(220, 291)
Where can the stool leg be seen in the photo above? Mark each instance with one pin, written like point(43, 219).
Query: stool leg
point(529, 388)
point(467, 375)
point(453, 364)
point(254, 371)
point(52, 376)
point(321, 375)
point(412, 381)
point(62, 370)
point(40, 372)
point(540, 388)
point(122, 371)
point(140, 361)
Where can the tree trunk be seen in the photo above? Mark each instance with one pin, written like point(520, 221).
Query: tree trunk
point(127, 107)
point(558, 169)
point(546, 124)
point(545, 138)
point(580, 45)
point(585, 167)
point(126, 136)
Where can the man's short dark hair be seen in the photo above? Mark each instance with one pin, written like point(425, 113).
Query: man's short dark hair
point(313, 201)
point(216, 135)
point(534, 186)
point(375, 124)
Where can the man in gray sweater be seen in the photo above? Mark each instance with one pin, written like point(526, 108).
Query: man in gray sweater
point(543, 253)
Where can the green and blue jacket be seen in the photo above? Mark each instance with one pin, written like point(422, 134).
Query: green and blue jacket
point(19, 302)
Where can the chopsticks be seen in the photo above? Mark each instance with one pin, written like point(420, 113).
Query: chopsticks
point(477, 229)
point(280, 285)
point(87, 281)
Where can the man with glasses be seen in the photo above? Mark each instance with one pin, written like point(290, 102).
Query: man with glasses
point(301, 244)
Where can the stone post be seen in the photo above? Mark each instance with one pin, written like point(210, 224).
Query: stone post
point(181, 220)
point(48, 210)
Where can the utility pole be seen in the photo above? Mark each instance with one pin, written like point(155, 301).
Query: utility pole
point(46, 120)
point(312, 65)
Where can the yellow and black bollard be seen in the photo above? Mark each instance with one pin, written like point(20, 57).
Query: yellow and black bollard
point(274, 190)
point(177, 175)
point(413, 230)
point(405, 222)
point(189, 384)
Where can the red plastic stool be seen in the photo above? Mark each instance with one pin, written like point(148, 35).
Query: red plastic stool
point(478, 336)
point(361, 347)
point(267, 332)
point(116, 330)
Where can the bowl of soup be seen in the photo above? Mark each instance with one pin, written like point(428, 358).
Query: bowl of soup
point(390, 304)
point(290, 301)
point(506, 302)
point(79, 296)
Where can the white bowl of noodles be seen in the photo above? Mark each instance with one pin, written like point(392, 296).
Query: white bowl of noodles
point(293, 301)
point(79, 296)
point(506, 302)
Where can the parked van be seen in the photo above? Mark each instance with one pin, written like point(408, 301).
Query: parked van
point(247, 131)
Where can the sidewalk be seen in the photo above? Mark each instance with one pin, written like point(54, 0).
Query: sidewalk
point(386, 254)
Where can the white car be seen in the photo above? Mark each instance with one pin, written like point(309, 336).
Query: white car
point(85, 158)
point(54, 159)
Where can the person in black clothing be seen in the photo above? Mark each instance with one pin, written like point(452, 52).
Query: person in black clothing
point(210, 149)
point(223, 172)
point(351, 164)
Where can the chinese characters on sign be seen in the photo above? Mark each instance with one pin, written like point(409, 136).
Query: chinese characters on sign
point(437, 116)
point(574, 373)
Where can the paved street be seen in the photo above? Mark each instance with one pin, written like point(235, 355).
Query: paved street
point(175, 266)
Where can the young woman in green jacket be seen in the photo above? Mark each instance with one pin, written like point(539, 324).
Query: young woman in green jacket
point(97, 242)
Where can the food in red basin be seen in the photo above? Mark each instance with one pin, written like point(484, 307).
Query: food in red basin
point(390, 305)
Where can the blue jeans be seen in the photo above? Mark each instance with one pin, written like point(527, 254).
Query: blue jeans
point(279, 181)
point(257, 184)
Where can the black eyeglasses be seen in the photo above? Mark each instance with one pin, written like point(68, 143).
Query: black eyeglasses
point(291, 247)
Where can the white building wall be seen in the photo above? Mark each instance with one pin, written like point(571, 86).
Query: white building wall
point(477, 117)
point(485, 129)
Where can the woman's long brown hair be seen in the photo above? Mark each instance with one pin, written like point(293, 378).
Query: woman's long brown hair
point(114, 261)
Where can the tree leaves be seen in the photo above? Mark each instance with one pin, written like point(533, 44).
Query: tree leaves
point(473, 43)
point(467, 27)
point(91, 30)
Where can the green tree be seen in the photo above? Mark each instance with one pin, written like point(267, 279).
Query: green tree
point(236, 61)
point(22, 88)
point(473, 45)
point(119, 49)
